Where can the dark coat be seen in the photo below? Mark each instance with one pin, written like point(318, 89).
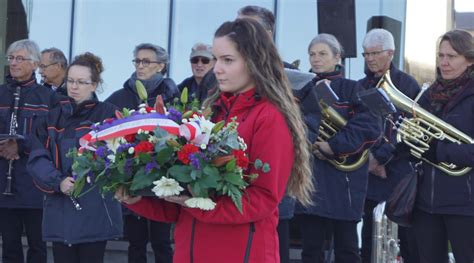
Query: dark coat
point(35, 103)
point(397, 167)
point(127, 96)
point(340, 195)
point(438, 192)
point(100, 217)
point(200, 91)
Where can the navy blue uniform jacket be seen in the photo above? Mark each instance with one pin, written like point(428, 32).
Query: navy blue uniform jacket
point(340, 195)
point(35, 103)
point(396, 166)
point(100, 218)
point(438, 192)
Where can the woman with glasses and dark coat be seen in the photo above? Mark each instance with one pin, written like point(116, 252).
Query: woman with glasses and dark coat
point(151, 63)
point(78, 227)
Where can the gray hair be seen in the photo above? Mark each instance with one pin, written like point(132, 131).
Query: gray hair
point(56, 56)
point(29, 45)
point(329, 40)
point(161, 54)
point(379, 37)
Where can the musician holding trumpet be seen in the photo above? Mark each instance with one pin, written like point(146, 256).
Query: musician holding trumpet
point(23, 102)
point(445, 203)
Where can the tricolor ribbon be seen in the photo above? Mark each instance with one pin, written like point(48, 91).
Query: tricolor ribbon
point(130, 125)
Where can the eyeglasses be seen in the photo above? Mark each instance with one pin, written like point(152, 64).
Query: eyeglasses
point(375, 53)
point(80, 83)
point(43, 66)
point(18, 59)
point(203, 60)
point(144, 62)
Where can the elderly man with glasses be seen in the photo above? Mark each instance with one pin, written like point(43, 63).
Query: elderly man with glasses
point(52, 68)
point(202, 61)
point(23, 105)
point(386, 166)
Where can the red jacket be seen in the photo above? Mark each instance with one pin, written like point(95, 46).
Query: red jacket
point(224, 234)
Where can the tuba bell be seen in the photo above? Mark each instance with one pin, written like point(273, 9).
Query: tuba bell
point(423, 127)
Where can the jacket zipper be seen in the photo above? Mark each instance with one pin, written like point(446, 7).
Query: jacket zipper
point(191, 251)
point(348, 190)
point(432, 188)
point(249, 242)
point(107, 212)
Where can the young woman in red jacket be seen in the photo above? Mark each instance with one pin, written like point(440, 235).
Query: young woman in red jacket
point(253, 88)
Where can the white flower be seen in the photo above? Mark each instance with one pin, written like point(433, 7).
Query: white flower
point(184, 121)
point(142, 110)
point(143, 105)
point(153, 139)
point(131, 150)
point(203, 146)
point(166, 187)
point(131, 111)
point(201, 203)
point(113, 144)
point(111, 157)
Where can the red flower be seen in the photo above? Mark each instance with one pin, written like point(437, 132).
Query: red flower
point(241, 158)
point(144, 147)
point(148, 109)
point(130, 138)
point(186, 150)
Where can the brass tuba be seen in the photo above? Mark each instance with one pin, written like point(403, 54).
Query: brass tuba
point(418, 131)
point(331, 123)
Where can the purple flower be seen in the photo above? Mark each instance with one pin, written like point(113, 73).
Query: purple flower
point(101, 152)
point(195, 159)
point(175, 115)
point(128, 167)
point(123, 147)
point(150, 166)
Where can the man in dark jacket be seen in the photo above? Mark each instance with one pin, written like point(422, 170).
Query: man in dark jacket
point(202, 61)
point(23, 103)
point(53, 70)
point(386, 169)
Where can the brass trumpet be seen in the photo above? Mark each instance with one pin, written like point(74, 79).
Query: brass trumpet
point(418, 131)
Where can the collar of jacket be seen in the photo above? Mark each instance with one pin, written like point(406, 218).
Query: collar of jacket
point(74, 109)
point(24, 84)
point(235, 104)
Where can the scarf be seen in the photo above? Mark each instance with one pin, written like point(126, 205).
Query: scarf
point(443, 90)
point(336, 74)
point(151, 84)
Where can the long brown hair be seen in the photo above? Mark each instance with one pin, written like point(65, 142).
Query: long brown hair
point(266, 69)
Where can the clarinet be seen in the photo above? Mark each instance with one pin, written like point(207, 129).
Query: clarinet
point(13, 128)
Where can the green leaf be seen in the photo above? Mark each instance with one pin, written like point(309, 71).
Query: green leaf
point(258, 164)
point(209, 181)
point(236, 196)
point(195, 174)
point(181, 173)
point(230, 165)
point(164, 155)
point(142, 179)
point(141, 91)
point(211, 170)
point(266, 168)
point(234, 179)
point(144, 157)
point(78, 186)
point(218, 126)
